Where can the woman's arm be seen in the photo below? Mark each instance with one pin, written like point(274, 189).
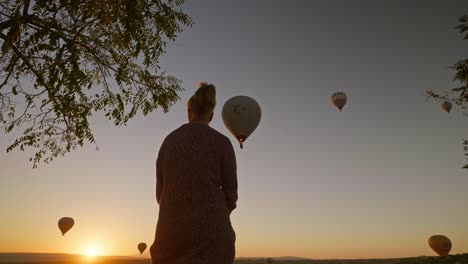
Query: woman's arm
point(159, 176)
point(229, 186)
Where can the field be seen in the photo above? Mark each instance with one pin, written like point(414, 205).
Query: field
point(16, 258)
point(455, 259)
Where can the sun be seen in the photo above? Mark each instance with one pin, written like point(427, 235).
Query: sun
point(91, 252)
point(91, 249)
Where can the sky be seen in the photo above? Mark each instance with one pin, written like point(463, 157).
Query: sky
point(373, 181)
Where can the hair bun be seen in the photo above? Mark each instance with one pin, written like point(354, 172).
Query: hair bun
point(204, 99)
point(207, 92)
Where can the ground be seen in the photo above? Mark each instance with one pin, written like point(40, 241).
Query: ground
point(74, 259)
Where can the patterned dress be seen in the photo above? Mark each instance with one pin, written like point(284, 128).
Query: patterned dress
point(196, 188)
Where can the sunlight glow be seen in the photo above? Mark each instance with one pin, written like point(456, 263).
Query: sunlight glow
point(91, 252)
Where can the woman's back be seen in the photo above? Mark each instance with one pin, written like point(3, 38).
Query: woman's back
point(191, 161)
point(196, 191)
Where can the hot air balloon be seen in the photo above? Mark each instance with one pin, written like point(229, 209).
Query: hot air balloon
point(440, 244)
point(241, 116)
point(65, 224)
point(339, 99)
point(446, 106)
point(142, 247)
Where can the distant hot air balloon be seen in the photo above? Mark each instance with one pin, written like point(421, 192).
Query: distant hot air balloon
point(241, 116)
point(65, 224)
point(142, 247)
point(440, 244)
point(339, 99)
point(446, 106)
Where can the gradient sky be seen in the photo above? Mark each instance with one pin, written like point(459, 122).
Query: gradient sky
point(375, 180)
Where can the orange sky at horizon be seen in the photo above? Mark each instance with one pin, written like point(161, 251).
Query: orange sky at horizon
point(101, 237)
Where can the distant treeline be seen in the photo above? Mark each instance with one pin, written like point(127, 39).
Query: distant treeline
point(452, 259)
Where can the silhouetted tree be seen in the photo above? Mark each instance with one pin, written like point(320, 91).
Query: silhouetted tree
point(458, 95)
point(64, 60)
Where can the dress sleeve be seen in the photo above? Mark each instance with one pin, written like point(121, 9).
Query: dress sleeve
point(159, 176)
point(229, 186)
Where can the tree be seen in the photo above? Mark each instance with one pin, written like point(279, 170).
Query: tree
point(64, 60)
point(458, 95)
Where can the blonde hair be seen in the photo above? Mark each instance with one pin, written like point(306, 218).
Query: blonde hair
point(203, 101)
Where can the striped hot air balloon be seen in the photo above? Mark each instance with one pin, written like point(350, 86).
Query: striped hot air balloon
point(339, 100)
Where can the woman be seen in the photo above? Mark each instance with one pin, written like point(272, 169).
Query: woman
point(196, 188)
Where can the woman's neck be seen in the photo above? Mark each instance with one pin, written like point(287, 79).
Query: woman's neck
point(199, 121)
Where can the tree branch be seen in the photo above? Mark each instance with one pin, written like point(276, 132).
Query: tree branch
point(26, 7)
point(38, 76)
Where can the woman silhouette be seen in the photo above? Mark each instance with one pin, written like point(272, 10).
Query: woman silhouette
point(196, 188)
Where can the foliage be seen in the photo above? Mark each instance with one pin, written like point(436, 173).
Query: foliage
point(64, 60)
point(458, 95)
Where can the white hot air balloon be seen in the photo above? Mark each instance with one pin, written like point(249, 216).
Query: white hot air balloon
point(339, 100)
point(446, 106)
point(241, 116)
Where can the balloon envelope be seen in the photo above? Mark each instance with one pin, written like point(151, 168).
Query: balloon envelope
point(241, 116)
point(446, 106)
point(339, 100)
point(440, 244)
point(65, 224)
point(142, 247)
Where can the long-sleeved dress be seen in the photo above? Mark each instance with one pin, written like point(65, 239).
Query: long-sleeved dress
point(196, 188)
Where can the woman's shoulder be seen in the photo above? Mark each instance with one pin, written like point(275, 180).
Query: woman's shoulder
point(173, 134)
point(219, 135)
